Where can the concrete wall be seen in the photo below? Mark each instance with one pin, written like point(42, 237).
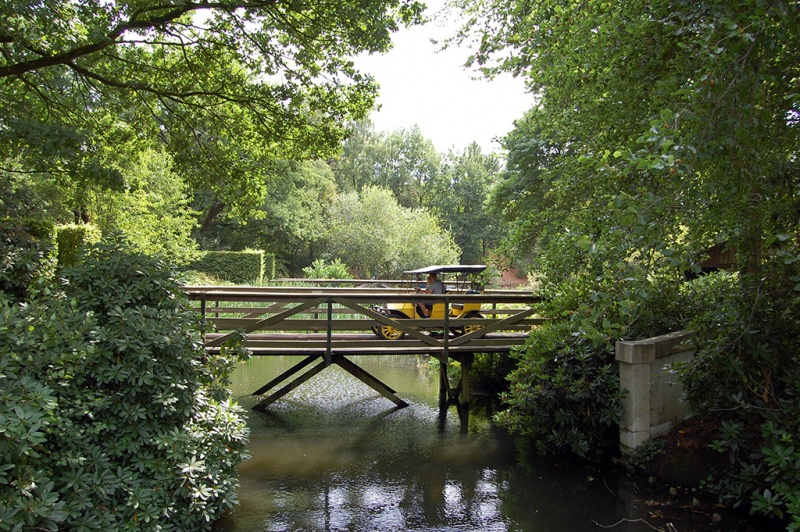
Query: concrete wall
point(653, 404)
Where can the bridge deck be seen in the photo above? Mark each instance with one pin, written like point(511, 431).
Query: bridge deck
point(279, 344)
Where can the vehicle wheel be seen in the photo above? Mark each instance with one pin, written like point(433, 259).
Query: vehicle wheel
point(460, 331)
point(387, 332)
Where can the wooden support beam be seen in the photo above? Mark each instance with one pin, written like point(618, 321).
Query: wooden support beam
point(466, 366)
point(498, 325)
point(356, 371)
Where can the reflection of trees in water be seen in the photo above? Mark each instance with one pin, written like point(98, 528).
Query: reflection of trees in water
point(439, 499)
point(337, 456)
point(360, 465)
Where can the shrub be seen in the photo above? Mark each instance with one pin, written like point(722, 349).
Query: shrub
point(111, 420)
point(564, 393)
point(72, 238)
point(321, 269)
point(746, 373)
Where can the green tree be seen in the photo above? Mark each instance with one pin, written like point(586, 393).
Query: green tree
point(403, 161)
point(378, 238)
point(153, 211)
point(354, 167)
point(680, 113)
point(223, 86)
point(457, 195)
point(291, 220)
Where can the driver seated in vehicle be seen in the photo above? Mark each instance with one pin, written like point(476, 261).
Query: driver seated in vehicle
point(432, 286)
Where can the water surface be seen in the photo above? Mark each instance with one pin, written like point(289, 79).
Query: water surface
point(335, 455)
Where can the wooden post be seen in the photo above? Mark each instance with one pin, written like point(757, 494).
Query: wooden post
point(328, 349)
point(466, 366)
point(444, 384)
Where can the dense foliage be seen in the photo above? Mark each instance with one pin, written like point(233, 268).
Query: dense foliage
point(111, 419)
point(663, 128)
point(221, 86)
point(747, 373)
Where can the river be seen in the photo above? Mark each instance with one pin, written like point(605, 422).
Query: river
point(334, 455)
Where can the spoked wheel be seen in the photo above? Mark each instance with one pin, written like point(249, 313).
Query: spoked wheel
point(466, 329)
point(387, 332)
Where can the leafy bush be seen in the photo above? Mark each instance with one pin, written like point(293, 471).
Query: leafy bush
point(26, 255)
point(321, 269)
point(110, 418)
point(565, 393)
point(72, 238)
point(746, 372)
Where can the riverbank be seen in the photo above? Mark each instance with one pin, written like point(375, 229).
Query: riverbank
point(673, 470)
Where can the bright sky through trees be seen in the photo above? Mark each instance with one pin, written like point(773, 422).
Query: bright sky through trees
point(431, 89)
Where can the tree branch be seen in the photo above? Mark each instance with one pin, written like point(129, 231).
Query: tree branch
point(111, 39)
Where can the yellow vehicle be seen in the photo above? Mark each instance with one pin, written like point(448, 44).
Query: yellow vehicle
point(462, 282)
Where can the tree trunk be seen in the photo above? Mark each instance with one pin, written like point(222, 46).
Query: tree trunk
point(213, 211)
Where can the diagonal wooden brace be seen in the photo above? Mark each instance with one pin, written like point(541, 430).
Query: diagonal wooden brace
point(272, 320)
point(362, 375)
point(285, 375)
point(289, 387)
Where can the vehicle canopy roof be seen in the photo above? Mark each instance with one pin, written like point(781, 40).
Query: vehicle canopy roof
point(450, 268)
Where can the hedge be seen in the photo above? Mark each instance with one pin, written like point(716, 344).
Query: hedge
point(26, 253)
point(71, 238)
point(237, 266)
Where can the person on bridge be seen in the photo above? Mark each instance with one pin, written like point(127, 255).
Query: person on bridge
point(432, 286)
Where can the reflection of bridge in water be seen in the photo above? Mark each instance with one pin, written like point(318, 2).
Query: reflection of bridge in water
point(326, 325)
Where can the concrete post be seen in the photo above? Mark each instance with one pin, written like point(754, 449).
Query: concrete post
point(653, 404)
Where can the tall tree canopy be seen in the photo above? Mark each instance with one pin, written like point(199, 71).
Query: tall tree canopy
point(378, 238)
point(290, 221)
point(661, 125)
point(404, 161)
point(457, 196)
point(223, 85)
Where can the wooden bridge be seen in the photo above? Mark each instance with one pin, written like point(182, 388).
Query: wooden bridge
point(326, 325)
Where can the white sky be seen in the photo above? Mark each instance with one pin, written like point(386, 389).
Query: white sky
point(420, 86)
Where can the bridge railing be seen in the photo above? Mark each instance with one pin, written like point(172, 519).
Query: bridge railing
point(307, 320)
